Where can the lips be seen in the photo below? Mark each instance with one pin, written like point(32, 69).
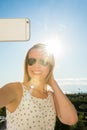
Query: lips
point(37, 72)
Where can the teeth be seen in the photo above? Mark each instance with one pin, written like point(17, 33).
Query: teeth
point(37, 72)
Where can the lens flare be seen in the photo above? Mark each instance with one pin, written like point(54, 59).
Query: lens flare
point(55, 47)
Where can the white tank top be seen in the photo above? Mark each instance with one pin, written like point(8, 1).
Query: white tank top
point(32, 113)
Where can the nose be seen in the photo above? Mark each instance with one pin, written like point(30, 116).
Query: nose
point(37, 64)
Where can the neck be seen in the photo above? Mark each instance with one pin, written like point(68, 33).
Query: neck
point(39, 85)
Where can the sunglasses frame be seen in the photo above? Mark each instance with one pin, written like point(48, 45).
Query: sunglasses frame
point(32, 61)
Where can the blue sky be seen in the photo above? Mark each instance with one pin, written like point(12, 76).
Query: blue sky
point(62, 22)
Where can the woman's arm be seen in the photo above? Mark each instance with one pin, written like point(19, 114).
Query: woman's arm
point(7, 94)
point(66, 111)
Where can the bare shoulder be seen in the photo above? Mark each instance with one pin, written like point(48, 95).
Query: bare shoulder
point(14, 86)
point(10, 93)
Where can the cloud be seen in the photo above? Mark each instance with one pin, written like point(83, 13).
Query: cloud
point(73, 81)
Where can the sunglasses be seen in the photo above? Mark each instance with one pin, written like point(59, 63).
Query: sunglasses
point(32, 61)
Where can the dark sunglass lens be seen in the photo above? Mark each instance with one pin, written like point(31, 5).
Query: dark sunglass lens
point(43, 62)
point(31, 61)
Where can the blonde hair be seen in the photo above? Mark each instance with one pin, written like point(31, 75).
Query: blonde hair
point(43, 49)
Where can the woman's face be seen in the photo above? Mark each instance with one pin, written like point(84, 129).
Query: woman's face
point(38, 64)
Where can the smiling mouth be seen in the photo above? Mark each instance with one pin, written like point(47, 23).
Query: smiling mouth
point(37, 72)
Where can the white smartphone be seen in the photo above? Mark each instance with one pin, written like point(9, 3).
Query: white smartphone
point(17, 29)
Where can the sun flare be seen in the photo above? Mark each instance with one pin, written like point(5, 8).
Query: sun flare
point(55, 47)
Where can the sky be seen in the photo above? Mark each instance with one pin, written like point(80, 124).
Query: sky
point(60, 23)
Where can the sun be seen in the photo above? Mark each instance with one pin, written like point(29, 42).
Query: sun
point(55, 47)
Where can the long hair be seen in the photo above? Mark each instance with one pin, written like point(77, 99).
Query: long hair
point(43, 49)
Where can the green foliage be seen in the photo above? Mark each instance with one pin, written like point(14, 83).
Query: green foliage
point(79, 126)
point(3, 111)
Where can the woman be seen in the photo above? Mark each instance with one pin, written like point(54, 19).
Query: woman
point(30, 105)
